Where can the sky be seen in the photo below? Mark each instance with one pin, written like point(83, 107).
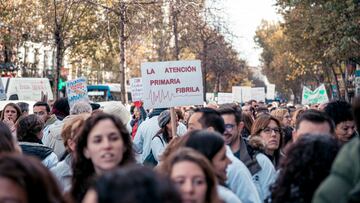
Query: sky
point(243, 17)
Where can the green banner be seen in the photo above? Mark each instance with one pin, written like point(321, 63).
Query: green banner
point(317, 96)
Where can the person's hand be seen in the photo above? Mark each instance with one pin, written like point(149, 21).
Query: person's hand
point(10, 123)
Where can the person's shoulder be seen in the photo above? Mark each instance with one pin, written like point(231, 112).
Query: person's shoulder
point(158, 138)
point(227, 195)
point(51, 160)
point(61, 169)
point(236, 163)
point(351, 149)
point(263, 159)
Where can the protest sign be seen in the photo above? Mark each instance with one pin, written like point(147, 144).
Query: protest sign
point(76, 91)
point(136, 89)
point(270, 91)
point(357, 83)
point(2, 91)
point(317, 96)
point(258, 93)
point(224, 98)
point(172, 83)
point(237, 94)
point(210, 97)
point(241, 93)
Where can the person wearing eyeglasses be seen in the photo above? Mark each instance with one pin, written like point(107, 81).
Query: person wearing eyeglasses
point(261, 169)
point(283, 115)
point(266, 136)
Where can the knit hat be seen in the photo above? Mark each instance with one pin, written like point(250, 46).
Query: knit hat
point(164, 118)
point(156, 112)
point(118, 109)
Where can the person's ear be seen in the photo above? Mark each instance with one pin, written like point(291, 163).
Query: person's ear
point(86, 153)
point(240, 126)
point(71, 144)
point(294, 136)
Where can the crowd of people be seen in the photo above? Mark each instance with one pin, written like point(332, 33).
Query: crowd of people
point(230, 153)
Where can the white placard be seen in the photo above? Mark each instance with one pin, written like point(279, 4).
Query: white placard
point(241, 93)
point(246, 93)
point(136, 88)
point(76, 91)
point(210, 97)
point(236, 90)
point(224, 98)
point(28, 88)
point(258, 93)
point(2, 91)
point(270, 91)
point(172, 83)
point(357, 83)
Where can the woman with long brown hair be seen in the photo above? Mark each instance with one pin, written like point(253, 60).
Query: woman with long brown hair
point(193, 174)
point(103, 144)
point(266, 136)
point(10, 114)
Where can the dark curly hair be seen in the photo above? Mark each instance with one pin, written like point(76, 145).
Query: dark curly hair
point(6, 139)
point(307, 164)
point(28, 128)
point(135, 184)
point(339, 111)
point(83, 168)
point(211, 118)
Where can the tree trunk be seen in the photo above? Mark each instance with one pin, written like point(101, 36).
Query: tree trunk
point(174, 14)
point(217, 83)
point(24, 70)
point(122, 39)
point(328, 81)
point(336, 80)
point(204, 68)
point(59, 58)
point(296, 96)
point(59, 42)
point(345, 85)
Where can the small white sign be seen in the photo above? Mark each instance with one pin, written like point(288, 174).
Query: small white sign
point(236, 90)
point(2, 91)
point(172, 83)
point(357, 83)
point(270, 91)
point(258, 93)
point(224, 98)
point(241, 93)
point(136, 89)
point(76, 91)
point(210, 97)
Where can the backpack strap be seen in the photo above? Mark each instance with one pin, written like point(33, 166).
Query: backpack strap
point(162, 142)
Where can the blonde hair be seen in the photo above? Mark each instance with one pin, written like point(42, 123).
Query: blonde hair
point(279, 113)
point(72, 127)
point(296, 116)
